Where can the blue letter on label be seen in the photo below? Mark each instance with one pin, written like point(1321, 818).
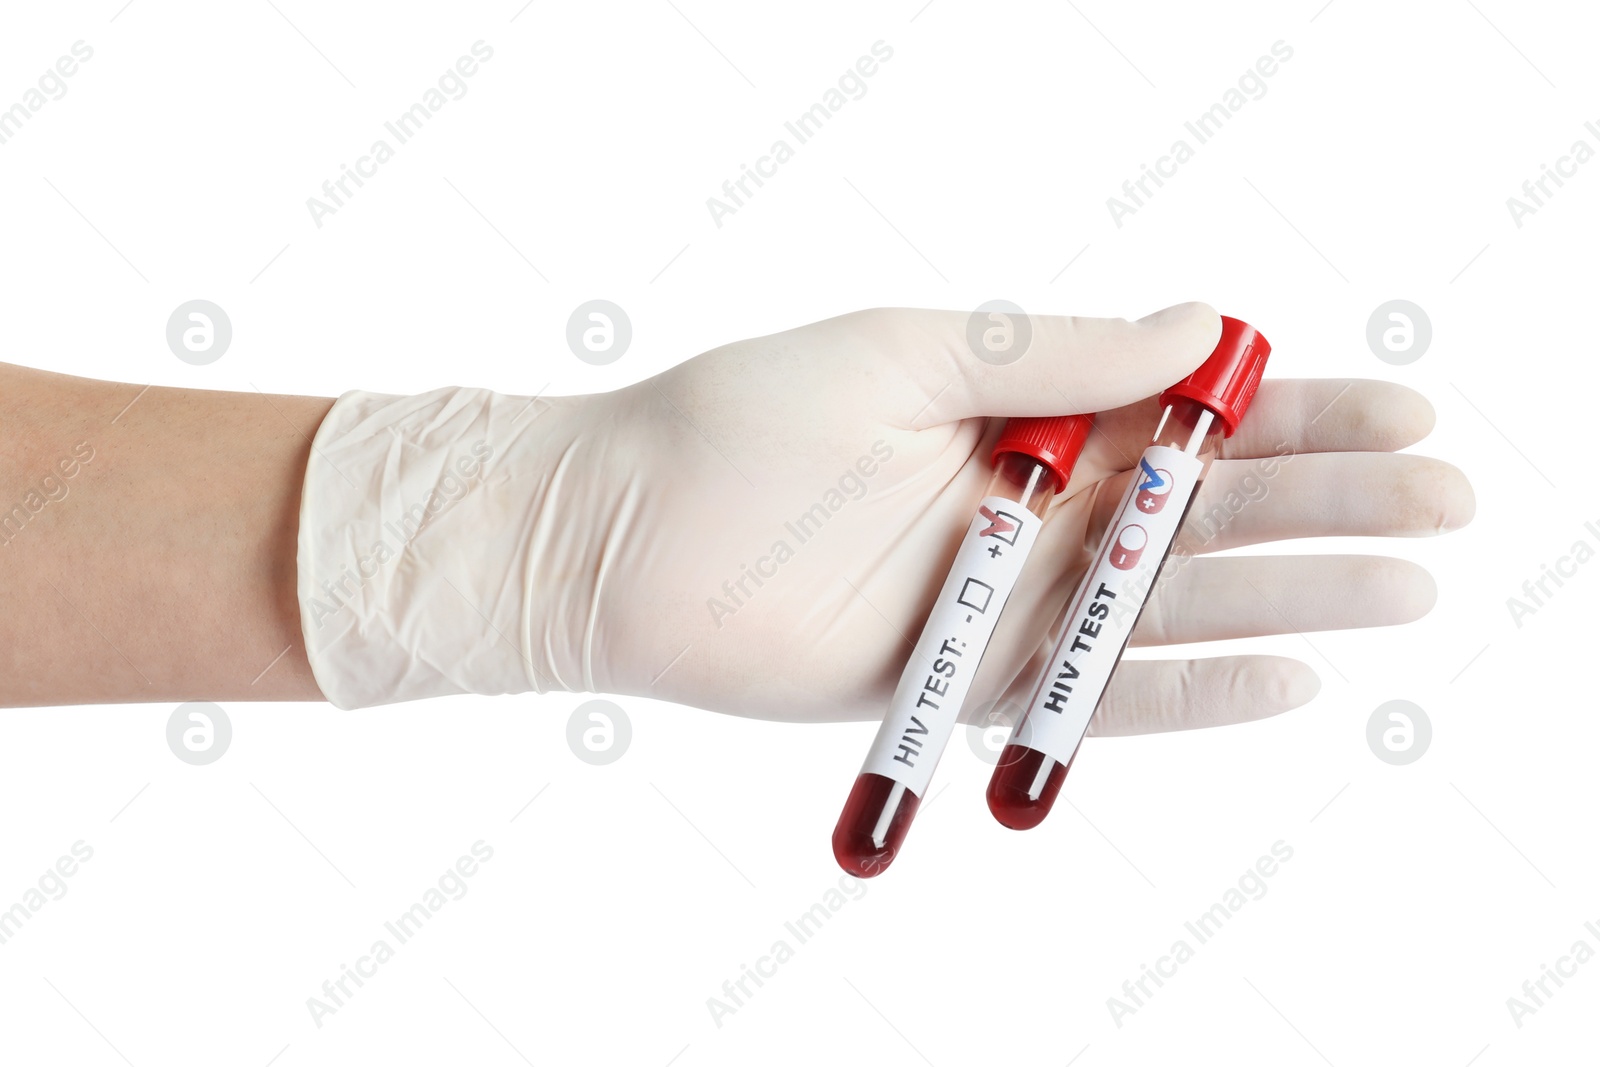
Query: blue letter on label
point(1152, 479)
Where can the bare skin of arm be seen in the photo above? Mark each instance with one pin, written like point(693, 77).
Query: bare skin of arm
point(148, 540)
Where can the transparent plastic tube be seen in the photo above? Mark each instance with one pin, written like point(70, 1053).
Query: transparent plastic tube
point(1102, 613)
point(1026, 780)
point(1033, 461)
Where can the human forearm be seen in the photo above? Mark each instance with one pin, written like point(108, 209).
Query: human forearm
point(148, 536)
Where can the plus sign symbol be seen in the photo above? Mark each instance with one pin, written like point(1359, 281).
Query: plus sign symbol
point(1155, 485)
point(994, 551)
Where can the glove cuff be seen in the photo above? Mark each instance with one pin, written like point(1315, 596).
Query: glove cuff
point(416, 517)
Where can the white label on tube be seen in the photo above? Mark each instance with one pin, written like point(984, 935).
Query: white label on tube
point(933, 687)
point(1108, 602)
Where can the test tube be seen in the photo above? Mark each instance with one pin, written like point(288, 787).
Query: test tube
point(1032, 460)
point(1102, 613)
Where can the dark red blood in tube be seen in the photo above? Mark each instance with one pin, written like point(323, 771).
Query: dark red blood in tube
point(1013, 780)
point(864, 842)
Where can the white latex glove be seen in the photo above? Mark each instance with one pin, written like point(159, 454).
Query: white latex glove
point(650, 541)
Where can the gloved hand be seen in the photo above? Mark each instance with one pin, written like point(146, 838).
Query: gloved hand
point(762, 529)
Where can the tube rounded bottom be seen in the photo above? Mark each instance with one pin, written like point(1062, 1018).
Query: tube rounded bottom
point(869, 833)
point(1011, 794)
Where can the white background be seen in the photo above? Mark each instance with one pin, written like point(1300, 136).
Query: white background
point(977, 166)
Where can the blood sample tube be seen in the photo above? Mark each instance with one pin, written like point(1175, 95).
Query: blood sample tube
point(1102, 613)
point(1033, 459)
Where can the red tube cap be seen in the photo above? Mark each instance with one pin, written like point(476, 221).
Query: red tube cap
point(1226, 382)
point(1054, 441)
